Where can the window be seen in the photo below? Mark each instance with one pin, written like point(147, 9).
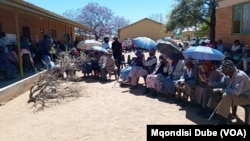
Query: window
point(53, 33)
point(241, 18)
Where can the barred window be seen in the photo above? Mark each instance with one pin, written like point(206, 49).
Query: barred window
point(241, 18)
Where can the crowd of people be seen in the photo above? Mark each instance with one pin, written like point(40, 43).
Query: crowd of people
point(204, 83)
point(42, 55)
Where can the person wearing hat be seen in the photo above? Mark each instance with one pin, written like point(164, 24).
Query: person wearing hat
point(236, 92)
point(106, 43)
point(148, 67)
point(207, 73)
point(136, 61)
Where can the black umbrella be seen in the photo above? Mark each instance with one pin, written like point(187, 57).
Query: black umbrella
point(169, 49)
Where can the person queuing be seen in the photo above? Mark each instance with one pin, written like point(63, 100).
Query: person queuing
point(106, 43)
point(117, 51)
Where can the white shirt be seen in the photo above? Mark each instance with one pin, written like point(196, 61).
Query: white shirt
point(106, 45)
point(102, 61)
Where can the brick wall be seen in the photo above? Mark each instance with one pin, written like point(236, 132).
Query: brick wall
point(35, 23)
point(224, 28)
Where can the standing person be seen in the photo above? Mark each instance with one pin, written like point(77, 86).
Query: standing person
point(3, 42)
point(106, 43)
point(237, 91)
point(45, 45)
point(117, 51)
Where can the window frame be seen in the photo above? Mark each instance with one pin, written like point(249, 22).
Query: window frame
point(241, 19)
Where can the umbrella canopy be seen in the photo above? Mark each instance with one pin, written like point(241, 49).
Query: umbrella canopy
point(144, 43)
point(98, 48)
point(86, 44)
point(168, 48)
point(203, 53)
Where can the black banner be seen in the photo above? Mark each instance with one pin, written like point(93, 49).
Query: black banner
point(217, 132)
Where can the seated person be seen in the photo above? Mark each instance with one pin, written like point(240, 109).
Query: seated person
point(154, 80)
point(175, 71)
point(236, 92)
point(207, 74)
point(137, 61)
point(245, 59)
point(102, 64)
point(236, 51)
point(95, 57)
point(110, 63)
point(48, 62)
point(13, 57)
point(25, 50)
point(187, 82)
point(5, 65)
point(148, 67)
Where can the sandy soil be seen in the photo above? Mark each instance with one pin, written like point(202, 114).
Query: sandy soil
point(106, 111)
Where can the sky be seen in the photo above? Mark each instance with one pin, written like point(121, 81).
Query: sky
point(132, 10)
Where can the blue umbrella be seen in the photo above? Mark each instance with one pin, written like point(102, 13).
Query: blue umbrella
point(203, 53)
point(144, 43)
point(98, 48)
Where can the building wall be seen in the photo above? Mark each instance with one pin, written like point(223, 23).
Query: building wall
point(224, 27)
point(35, 24)
point(226, 3)
point(145, 27)
point(186, 35)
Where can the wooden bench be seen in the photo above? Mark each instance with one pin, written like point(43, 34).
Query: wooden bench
point(247, 113)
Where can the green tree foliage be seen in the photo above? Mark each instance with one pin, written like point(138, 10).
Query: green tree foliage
point(188, 13)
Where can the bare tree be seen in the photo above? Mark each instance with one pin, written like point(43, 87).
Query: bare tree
point(157, 17)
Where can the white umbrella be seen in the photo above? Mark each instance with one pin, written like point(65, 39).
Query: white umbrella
point(203, 53)
point(98, 48)
point(86, 44)
point(144, 43)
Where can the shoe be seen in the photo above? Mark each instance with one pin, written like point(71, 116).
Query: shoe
point(133, 87)
point(203, 113)
point(146, 91)
point(223, 122)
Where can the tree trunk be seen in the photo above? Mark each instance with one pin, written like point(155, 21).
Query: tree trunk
point(212, 24)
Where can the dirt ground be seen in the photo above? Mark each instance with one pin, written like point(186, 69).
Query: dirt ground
point(105, 111)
